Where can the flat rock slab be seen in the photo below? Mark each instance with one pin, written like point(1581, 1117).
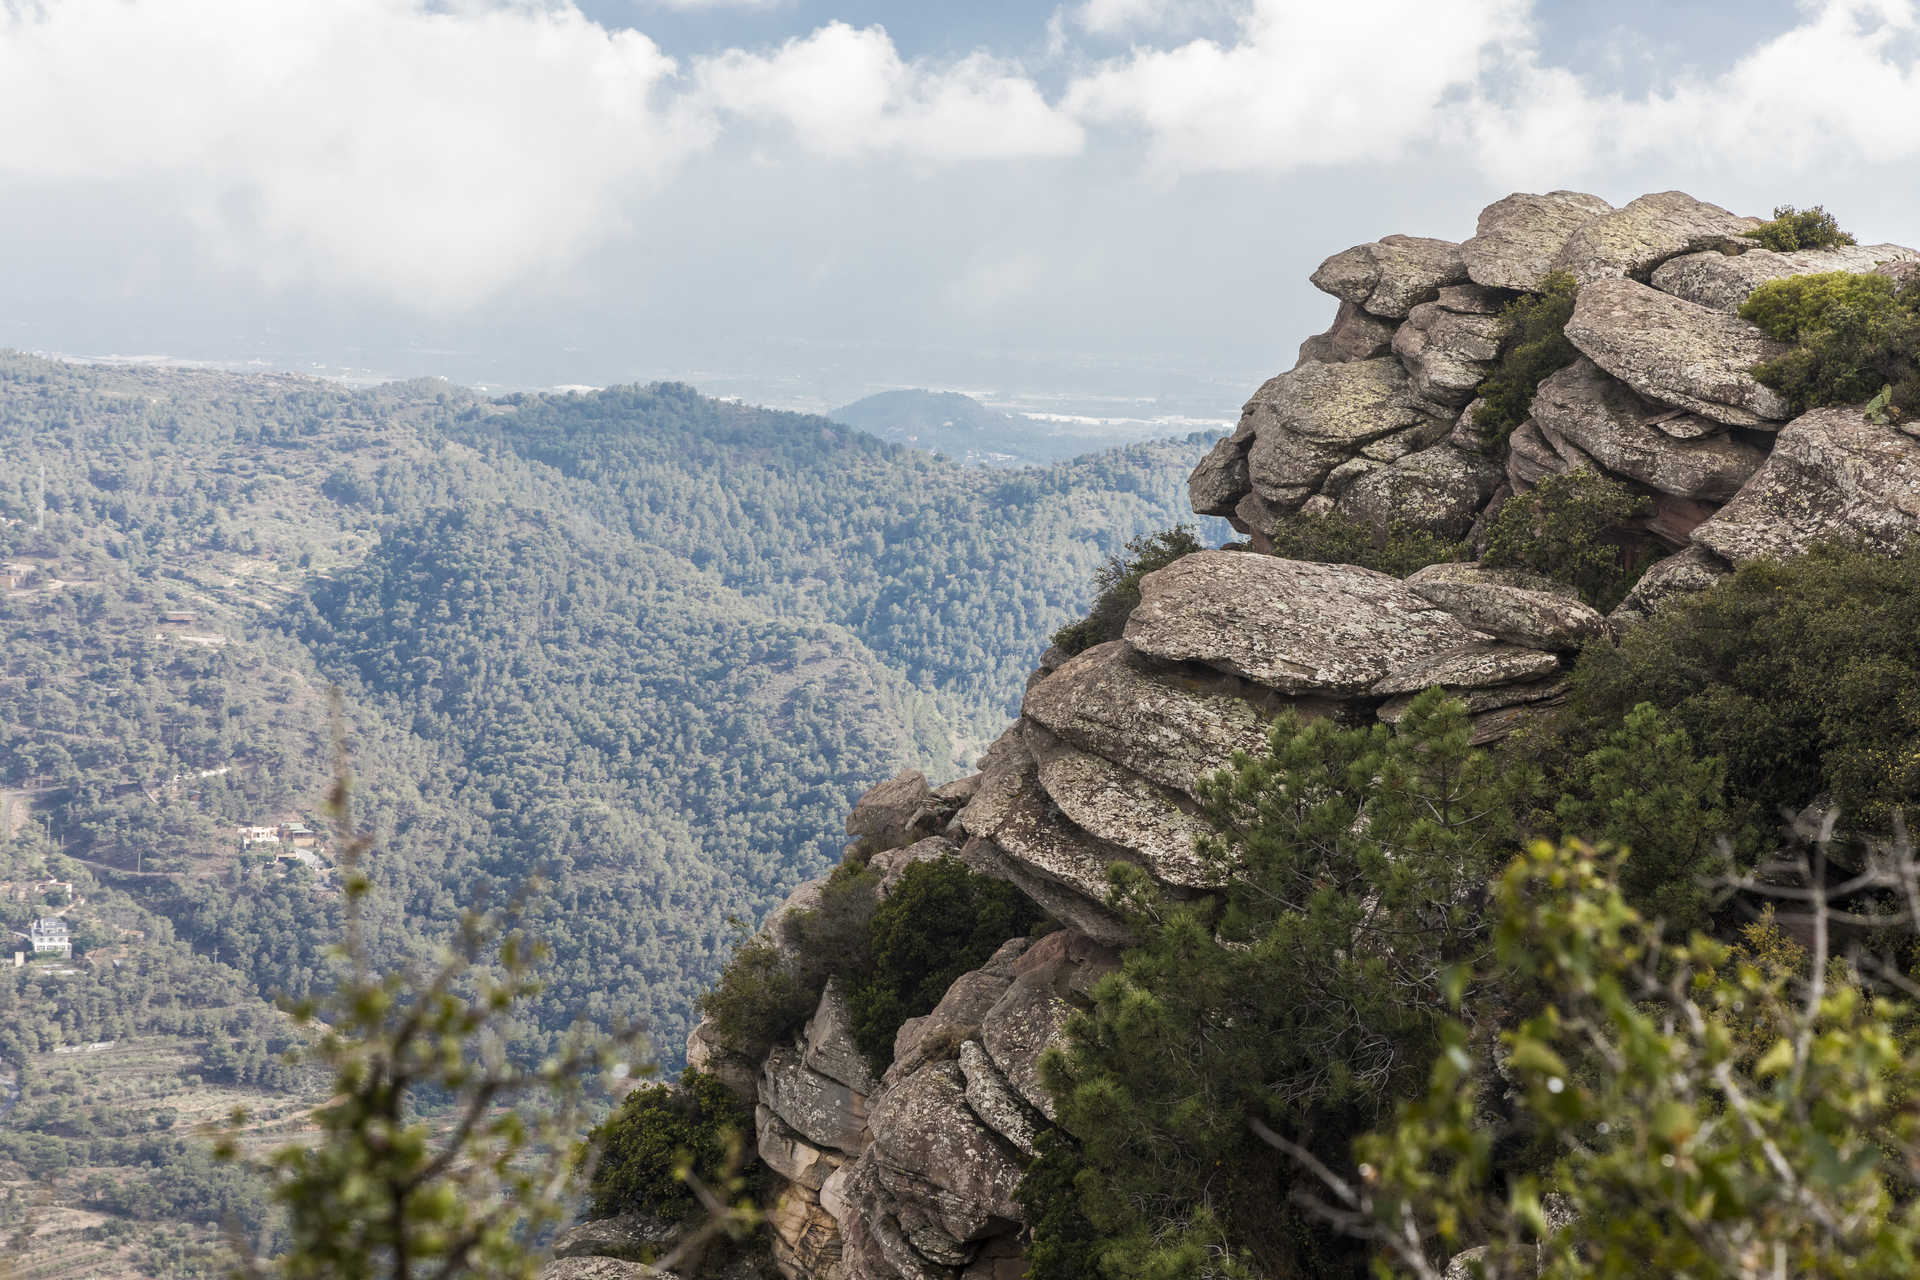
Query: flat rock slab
point(1016, 814)
point(1473, 666)
point(1437, 490)
point(1724, 281)
point(1167, 729)
point(1832, 474)
point(1481, 701)
point(1392, 275)
point(1287, 624)
point(923, 1128)
point(1612, 425)
point(818, 1108)
point(1338, 404)
point(1119, 806)
point(1518, 239)
point(1516, 607)
point(1676, 352)
point(1633, 240)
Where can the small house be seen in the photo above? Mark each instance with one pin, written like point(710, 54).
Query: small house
point(49, 933)
point(178, 617)
point(300, 837)
point(251, 836)
point(15, 574)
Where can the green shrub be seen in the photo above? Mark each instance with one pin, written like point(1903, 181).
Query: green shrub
point(1061, 1243)
point(1118, 585)
point(1334, 539)
point(659, 1134)
point(1793, 229)
point(769, 989)
point(1855, 335)
point(1533, 346)
point(939, 920)
point(1802, 675)
point(1567, 528)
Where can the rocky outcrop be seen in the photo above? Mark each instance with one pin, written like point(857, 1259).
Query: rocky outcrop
point(911, 1175)
point(1676, 352)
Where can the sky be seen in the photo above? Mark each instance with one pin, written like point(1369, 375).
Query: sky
point(803, 201)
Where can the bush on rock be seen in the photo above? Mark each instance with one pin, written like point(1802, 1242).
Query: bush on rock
point(1855, 336)
point(658, 1137)
point(1533, 346)
point(1568, 528)
point(1792, 229)
point(1118, 584)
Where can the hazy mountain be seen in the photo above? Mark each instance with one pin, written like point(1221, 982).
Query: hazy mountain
point(977, 435)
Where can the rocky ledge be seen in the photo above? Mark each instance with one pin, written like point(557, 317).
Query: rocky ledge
point(912, 1175)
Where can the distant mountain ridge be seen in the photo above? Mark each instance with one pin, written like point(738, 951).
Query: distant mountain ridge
point(978, 435)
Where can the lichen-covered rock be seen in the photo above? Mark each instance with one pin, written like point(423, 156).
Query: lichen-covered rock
point(806, 1239)
point(587, 1268)
point(938, 1034)
point(1220, 480)
point(1478, 702)
point(1281, 464)
point(631, 1236)
point(1633, 240)
point(1288, 624)
point(1446, 353)
point(1681, 574)
point(1723, 281)
point(1015, 814)
point(1114, 804)
point(930, 1147)
point(1472, 666)
point(1344, 405)
point(1166, 729)
point(1401, 443)
point(818, 1108)
point(1832, 474)
point(1531, 457)
point(1468, 434)
point(1676, 352)
point(895, 812)
point(993, 1101)
point(790, 1155)
point(1518, 239)
point(829, 1038)
point(1520, 608)
point(1438, 490)
point(1355, 335)
point(1345, 474)
point(1610, 424)
point(1022, 1024)
point(1392, 275)
point(726, 1063)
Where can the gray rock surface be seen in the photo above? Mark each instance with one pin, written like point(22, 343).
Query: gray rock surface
point(1645, 233)
point(1020, 1027)
point(1168, 729)
point(805, 1238)
point(990, 1098)
point(1610, 424)
point(895, 812)
point(1675, 352)
point(1438, 490)
point(1446, 353)
point(1392, 275)
point(1516, 607)
point(1473, 666)
point(1681, 574)
point(1518, 239)
point(1117, 805)
point(818, 1108)
point(1220, 480)
point(1290, 625)
point(583, 1268)
point(1724, 281)
point(630, 1236)
point(1832, 474)
point(938, 1034)
point(1016, 815)
point(1481, 701)
point(1355, 335)
point(1345, 405)
point(937, 1151)
point(790, 1155)
point(1531, 457)
point(829, 1039)
point(891, 864)
point(1281, 463)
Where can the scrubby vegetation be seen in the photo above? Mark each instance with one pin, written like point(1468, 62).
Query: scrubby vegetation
point(940, 920)
point(1792, 229)
point(1117, 584)
point(1533, 347)
point(1568, 528)
point(1855, 337)
point(644, 1153)
point(1332, 538)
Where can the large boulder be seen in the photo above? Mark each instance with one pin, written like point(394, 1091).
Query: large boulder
point(1447, 353)
point(1612, 425)
point(1291, 625)
point(1438, 490)
point(828, 1039)
point(1676, 352)
point(1117, 805)
point(1633, 240)
point(1392, 275)
point(1220, 480)
point(1832, 474)
point(1343, 405)
point(895, 812)
point(1518, 239)
point(1283, 468)
point(1723, 281)
point(818, 1108)
point(1355, 335)
point(1015, 814)
point(1520, 608)
point(1684, 573)
point(1479, 665)
point(930, 1147)
point(1169, 729)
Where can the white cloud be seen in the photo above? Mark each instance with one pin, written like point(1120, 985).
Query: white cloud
point(1305, 83)
point(436, 152)
point(846, 92)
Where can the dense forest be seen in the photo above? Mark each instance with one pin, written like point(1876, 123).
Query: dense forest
point(645, 644)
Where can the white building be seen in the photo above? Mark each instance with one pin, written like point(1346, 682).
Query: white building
point(49, 933)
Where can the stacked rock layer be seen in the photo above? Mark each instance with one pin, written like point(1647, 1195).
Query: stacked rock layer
point(912, 1175)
